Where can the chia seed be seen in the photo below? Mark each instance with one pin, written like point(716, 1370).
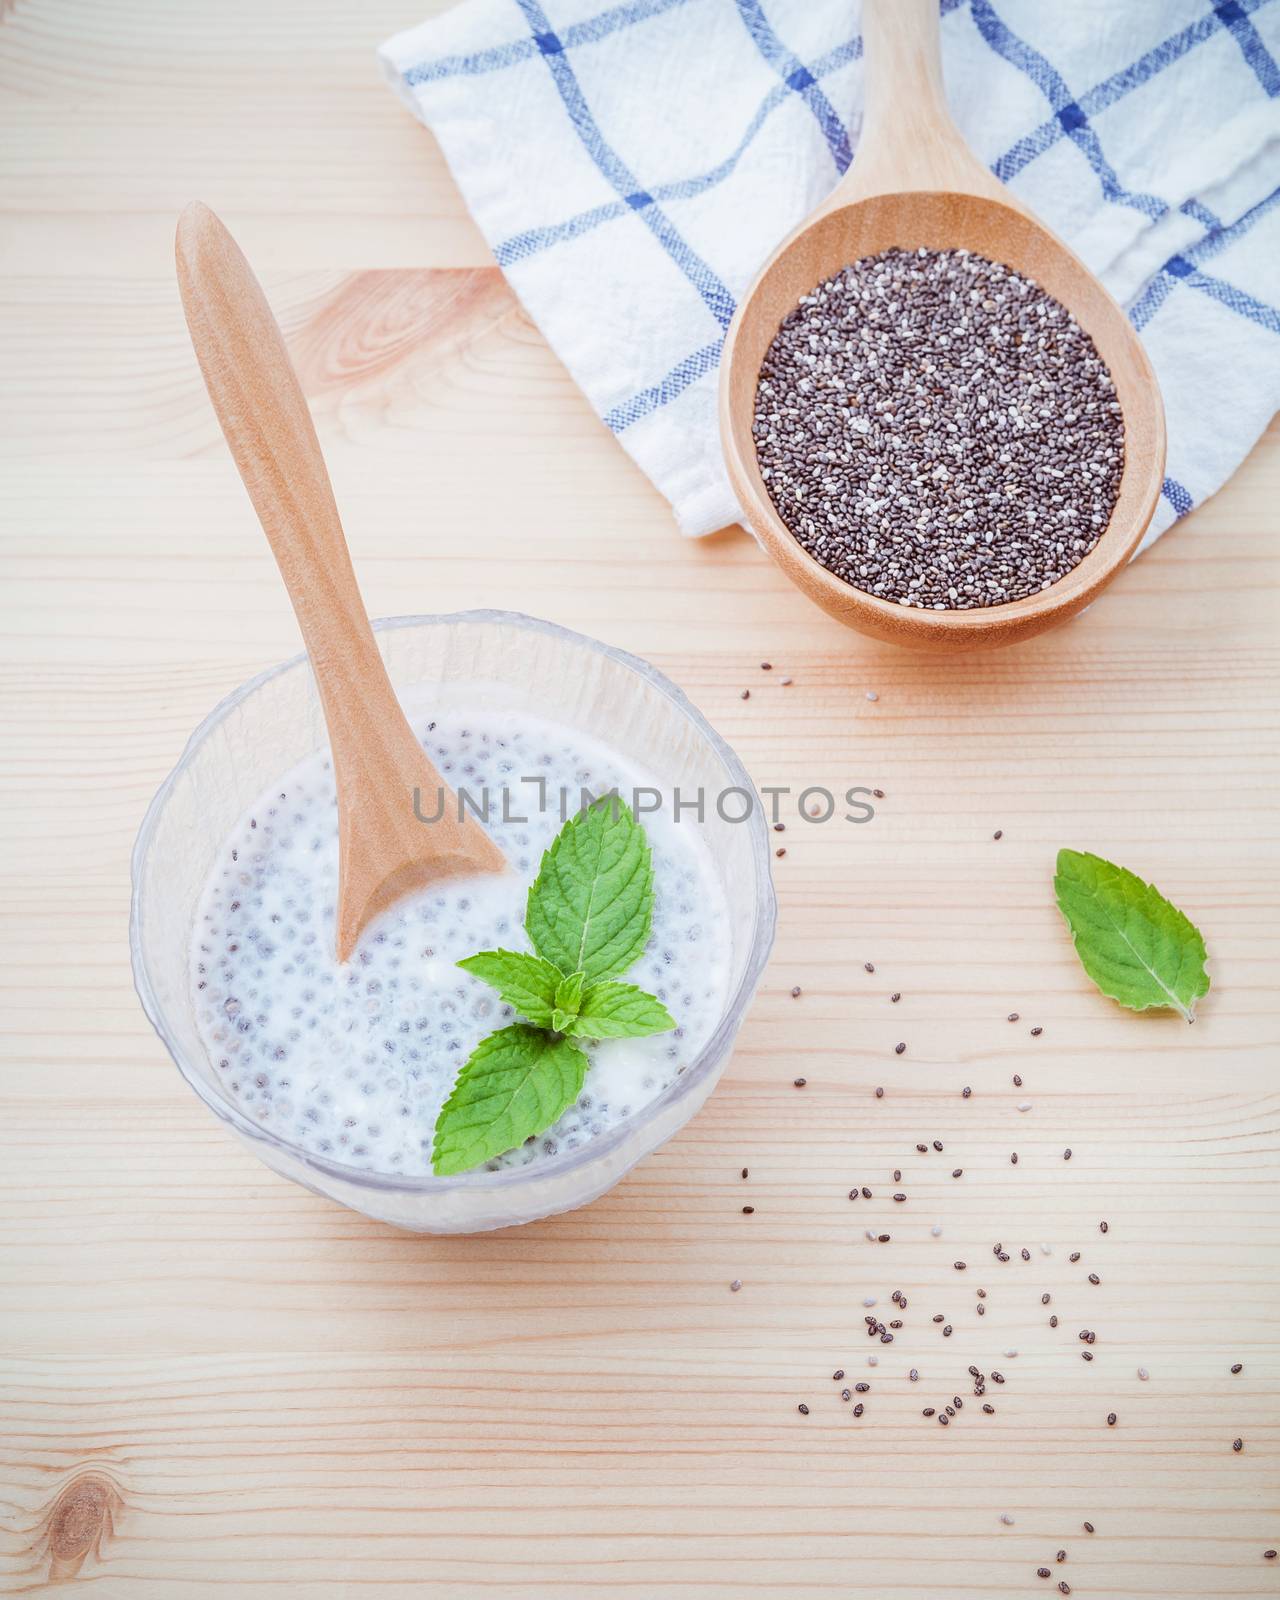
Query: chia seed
point(935, 429)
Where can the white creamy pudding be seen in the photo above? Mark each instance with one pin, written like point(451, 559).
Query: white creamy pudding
point(353, 1062)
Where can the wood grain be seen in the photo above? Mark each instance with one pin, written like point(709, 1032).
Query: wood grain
point(212, 1382)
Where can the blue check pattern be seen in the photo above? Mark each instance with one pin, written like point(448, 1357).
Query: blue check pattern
point(632, 164)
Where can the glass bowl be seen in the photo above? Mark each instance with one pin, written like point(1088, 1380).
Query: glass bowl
point(492, 659)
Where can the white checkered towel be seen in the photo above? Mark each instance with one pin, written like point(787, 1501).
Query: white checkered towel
point(633, 164)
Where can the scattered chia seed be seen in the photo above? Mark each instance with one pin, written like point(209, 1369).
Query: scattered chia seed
point(796, 992)
point(746, 694)
point(1111, 1419)
point(1066, 1155)
point(894, 998)
point(735, 1285)
point(879, 1094)
point(1238, 1367)
point(1006, 1519)
point(877, 794)
point(872, 695)
point(780, 851)
point(1036, 1032)
point(1143, 1374)
point(748, 1210)
point(766, 666)
point(1102, 1227)
point(1013, 1017)
point(1237, 1445)
point(837, 1375)
point(998, 834)
point(800, 1082)
point(898, 1049)
point(936, 429)
point(803, 1410)
point(965, 1092)
point(1088, 1527)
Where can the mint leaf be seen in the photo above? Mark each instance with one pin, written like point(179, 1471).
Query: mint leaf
point(1136, 946)
point(569, 993)
point(619, 1011)
point(591, 907)
point(526, 982)
point(516, 1083)
point(588, 914)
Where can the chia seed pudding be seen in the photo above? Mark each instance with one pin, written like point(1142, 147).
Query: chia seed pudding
point(937, 430)
point(353, 1062)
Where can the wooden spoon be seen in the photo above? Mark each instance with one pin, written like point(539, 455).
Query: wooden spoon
point(915, 183)
point(384, 851)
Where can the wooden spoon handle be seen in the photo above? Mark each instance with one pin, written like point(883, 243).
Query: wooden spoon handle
point(268, 426)
point(908, 140)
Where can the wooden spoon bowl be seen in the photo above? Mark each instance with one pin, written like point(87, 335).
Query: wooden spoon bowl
point(915, 184)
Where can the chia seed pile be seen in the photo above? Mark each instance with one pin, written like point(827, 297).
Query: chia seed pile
point(937, 430)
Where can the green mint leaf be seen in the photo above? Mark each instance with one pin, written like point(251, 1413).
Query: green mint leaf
point(591, 906)
point(569, 994)
point(1136, 946)
point(620, 1011)
point(562, 1021)
point(515, 1084)
point(526, 982)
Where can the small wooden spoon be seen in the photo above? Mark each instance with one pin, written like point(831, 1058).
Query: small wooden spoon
point(384, 851)
point(916, 184)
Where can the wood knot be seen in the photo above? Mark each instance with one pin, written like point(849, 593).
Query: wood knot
point(81, 1520)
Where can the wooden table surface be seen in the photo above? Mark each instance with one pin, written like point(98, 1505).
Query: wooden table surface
point(216, 1383)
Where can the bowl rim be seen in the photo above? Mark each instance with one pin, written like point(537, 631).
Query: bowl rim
point(759, 944)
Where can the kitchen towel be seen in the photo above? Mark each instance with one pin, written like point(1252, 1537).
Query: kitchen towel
point(633, 164)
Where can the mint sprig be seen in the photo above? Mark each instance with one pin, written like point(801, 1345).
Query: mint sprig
point(588, 917)
point(1136, 946)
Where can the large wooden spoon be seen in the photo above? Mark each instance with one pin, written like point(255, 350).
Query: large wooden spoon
point(385, 851)
point(916, 184)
